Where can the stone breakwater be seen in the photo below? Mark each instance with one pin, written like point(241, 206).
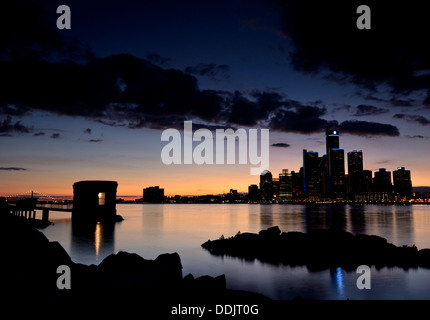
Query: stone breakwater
point(319, 249)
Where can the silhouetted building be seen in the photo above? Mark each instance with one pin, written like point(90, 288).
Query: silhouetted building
point(323, 176)
point(355, 170)
point(336, 165)
point(209, 198)
point(382, 181)
point(232, 196)
point(253, 193)
point(285, 186)
point(337, 185)
point(366, 181)
point(311, 174)
point(94, 200)
point(153, 195)
point(275, 187)
point(266, 186)
point(402, 183)
point(297, 178)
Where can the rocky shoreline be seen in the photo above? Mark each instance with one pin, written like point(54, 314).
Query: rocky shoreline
point(30, 263)
point(319, 249)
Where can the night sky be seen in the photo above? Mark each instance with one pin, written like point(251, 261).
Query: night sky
point(91, 102)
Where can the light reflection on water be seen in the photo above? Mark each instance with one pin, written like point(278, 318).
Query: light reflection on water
point(150, 230)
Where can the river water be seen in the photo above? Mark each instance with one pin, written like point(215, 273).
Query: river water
point(153, 229)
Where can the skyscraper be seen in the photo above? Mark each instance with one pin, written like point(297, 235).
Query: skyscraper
point(336, 165)
point(365, 181)
point(382, 181)
point(323, 175)
point(310, 174)
point(266, 186)
point(253, 193)
point(285, 185)
point(355, 170)
point(402, 183)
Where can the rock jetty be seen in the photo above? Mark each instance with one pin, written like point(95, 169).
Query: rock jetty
point(319, 249)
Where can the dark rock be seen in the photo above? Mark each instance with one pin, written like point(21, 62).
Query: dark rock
point(58, 255)
point(169, 260)
point(189, 278)
point(424, 258)
point(118, 218)
point(319, 249)
point(124, 262)
point(271, 232)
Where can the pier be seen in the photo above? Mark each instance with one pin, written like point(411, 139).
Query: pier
point(24, 207)
point(28, 210)
point(93, 201)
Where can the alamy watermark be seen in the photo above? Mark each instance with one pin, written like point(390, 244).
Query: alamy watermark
point(363, 281)
point(211, 150)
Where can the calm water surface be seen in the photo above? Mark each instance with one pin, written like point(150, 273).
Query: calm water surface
point(152, 229)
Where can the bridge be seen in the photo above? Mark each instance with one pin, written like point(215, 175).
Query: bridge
point(25, 205)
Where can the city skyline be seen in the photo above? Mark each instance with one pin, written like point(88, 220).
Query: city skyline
point(90, 103)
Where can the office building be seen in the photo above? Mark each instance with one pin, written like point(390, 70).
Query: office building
point(153, 195)
point(285, 186)
point(382, 181)
point(266, 186)
point(336, 165)
point(311, 174)
point(402, 183)
point(355, 171)
point(253, 193)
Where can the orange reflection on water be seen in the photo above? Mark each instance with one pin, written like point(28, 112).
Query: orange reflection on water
point(98, 238)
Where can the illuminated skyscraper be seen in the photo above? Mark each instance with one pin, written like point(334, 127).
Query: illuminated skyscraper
point(336, 165)
point(285, 185)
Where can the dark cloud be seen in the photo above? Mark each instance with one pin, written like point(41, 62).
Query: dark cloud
point(392, 101)
point(95, 140)
point(211, 70)
point(413, 118)
point(55, 136)
point(417, 136)
point(43, 70)
point(12, 169)
point(87, 131)
point(281, 145)
point(366, 128)
point(324, 39)
point(158, 60)
point(12, 110)
point(40, 133)
point(304, 119)
point(243, 111)
point(7, 126)
point(367, 110)
point(341, 108)
point(28, 33)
